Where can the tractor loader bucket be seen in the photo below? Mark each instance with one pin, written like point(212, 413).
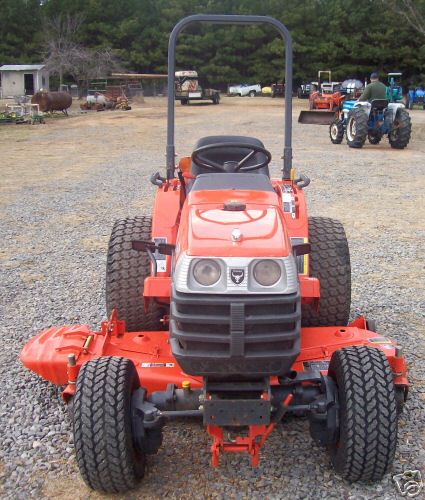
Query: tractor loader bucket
point(316, 117)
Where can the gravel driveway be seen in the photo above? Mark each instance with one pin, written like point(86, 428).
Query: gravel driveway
point(63, 185)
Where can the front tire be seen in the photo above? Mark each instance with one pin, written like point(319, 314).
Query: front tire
point(106, 456)
point(357, 128)
point(401, 129)
point(252, 93)
point(336, 131)
point(367, 413)
point(330, 263)
point(126, 270)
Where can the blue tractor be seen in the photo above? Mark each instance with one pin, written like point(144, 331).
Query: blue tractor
point(415, 96)
point(394, 89)
point(361, 120)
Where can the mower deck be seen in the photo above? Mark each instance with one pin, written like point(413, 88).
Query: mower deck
point(47, 354)
point(57, 354)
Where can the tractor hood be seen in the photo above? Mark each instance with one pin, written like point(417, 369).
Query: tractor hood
point(233, 223)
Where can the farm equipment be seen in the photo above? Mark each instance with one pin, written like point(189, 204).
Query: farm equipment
point(394, 89)
point(303, 91)
point(278, 89)
point(414, 97)
point(188, 89)
point(231, 305)
point(22, 113)
point(324, 101)
point(363, 120)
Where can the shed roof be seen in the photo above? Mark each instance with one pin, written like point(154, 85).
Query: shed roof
point(21, 67)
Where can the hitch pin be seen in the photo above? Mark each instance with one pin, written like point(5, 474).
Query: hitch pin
point(87, 343)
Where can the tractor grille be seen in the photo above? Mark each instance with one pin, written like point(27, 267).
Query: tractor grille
point(235, 335)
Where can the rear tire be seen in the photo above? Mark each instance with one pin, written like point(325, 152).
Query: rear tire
point(252, 93)
point(367, 414)
point(357, 128)
point(336, 131)
point(399, 137)
point(106, 456)
point(126, 270)
point(330, 263)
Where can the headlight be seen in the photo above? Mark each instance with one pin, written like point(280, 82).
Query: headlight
point(206, 272)
point(267, 272)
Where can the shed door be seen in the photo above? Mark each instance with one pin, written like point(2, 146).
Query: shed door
point(29, 83)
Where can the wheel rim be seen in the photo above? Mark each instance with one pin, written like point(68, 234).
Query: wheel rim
point(334, 131)
point(351, 129)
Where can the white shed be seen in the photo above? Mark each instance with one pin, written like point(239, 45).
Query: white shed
point(23, 79)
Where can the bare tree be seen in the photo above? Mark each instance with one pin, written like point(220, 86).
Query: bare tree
point(60, 45)
point(413, 11)
point(64, 55)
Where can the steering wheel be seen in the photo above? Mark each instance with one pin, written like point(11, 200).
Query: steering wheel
point(231, 166)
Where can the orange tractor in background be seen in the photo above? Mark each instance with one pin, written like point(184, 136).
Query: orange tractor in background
point(325, 99)
point(228, 304)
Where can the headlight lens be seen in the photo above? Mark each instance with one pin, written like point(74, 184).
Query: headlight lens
point(206, 272)
point(267, 272)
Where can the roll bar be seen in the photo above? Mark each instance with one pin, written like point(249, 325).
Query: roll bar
point(238, 20)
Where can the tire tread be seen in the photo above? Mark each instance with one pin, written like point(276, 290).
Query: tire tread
point(126, 270)
point(368, 413)
point(330, 263)
point(102, 425)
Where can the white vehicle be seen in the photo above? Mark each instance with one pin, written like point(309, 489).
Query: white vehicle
point(245, 89)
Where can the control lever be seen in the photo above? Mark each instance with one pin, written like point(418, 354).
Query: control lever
point(157, 180)
point(302, 181)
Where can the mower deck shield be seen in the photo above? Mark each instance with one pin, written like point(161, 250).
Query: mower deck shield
point(47, 353)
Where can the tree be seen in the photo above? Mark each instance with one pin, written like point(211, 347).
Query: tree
point(64, 55)
point(413, 11)
point(60, 47)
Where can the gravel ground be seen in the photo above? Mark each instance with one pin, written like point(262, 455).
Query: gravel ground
point(63, 185)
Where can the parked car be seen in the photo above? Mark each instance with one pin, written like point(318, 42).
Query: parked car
point(245, 89)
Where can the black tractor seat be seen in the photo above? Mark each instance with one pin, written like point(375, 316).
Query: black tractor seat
point(379, 104)
point(229, 154)
point(244, 181)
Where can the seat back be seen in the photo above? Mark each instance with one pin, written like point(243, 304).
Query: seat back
point(229, 154)
point(230, 181)
point(379, 104)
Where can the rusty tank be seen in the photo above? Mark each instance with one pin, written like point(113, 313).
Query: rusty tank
point(52, 101)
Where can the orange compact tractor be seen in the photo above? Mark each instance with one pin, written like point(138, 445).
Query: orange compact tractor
point(231, 305)
point(325, 99)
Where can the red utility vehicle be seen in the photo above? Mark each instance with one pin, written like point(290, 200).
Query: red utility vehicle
point(228, 304)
